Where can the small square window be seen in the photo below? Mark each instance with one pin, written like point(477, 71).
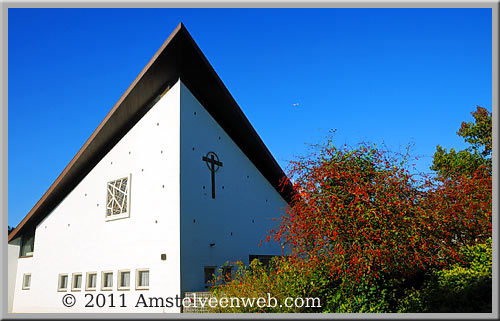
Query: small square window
point(91, 281)
point(124, 280)
point(76, 280)
point(142, 279)
point(107, 280)
point(118, 198)
point(26, 281)
point(63, 282)
point(209, 274)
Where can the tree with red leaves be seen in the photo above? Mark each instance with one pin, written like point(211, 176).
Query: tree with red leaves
point(364, 233)
point(362, 214)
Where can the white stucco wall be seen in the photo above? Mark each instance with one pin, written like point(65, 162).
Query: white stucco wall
point(245, 201)
point(75, 237)
point(12, 255)
point(170, 213)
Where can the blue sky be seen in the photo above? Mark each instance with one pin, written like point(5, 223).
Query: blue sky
point(397, 76)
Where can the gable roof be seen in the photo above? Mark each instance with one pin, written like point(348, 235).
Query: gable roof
point(178, 57)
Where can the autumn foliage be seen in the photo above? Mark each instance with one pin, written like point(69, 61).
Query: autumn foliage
point(361, 214)
point(365, 233)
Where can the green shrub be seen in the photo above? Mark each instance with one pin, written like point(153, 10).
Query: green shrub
point(368, 296)
point(281, 279)
point(464, 287)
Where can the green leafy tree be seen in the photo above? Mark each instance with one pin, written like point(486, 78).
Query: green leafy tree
point(479, 135)
point(463, 287)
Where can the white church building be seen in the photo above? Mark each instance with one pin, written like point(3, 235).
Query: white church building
point(172, 185)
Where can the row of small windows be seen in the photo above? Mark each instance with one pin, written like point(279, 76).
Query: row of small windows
point(123, 280)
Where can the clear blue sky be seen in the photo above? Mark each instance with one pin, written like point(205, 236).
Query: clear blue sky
point(397, 76)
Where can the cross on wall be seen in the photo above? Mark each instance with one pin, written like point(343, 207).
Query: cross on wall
point(212, 161)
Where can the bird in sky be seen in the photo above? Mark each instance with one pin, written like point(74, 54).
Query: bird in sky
point(295, 105)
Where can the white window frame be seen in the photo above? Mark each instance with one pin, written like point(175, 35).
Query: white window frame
point(26, 287)
point(103, 281)
point(129, 185)
point(138, 280)
point(119, 280)
point(73, 288)
point(59, 279)
point(87, 279)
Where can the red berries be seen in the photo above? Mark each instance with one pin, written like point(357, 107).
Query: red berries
point(361, 212)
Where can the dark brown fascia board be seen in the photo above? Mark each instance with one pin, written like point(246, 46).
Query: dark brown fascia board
point(178, 58)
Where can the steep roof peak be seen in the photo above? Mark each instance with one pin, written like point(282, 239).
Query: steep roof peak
point(179, 57)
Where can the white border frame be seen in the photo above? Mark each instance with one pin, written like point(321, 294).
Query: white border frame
point(336, 4)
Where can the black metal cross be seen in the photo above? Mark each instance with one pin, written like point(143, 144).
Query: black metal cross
point(212, 160)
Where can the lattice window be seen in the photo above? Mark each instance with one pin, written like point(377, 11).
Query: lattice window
point(117, 200)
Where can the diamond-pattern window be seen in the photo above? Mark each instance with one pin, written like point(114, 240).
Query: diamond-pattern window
point(117, 198)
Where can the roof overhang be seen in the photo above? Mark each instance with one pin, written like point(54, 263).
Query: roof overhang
point(178, 58)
